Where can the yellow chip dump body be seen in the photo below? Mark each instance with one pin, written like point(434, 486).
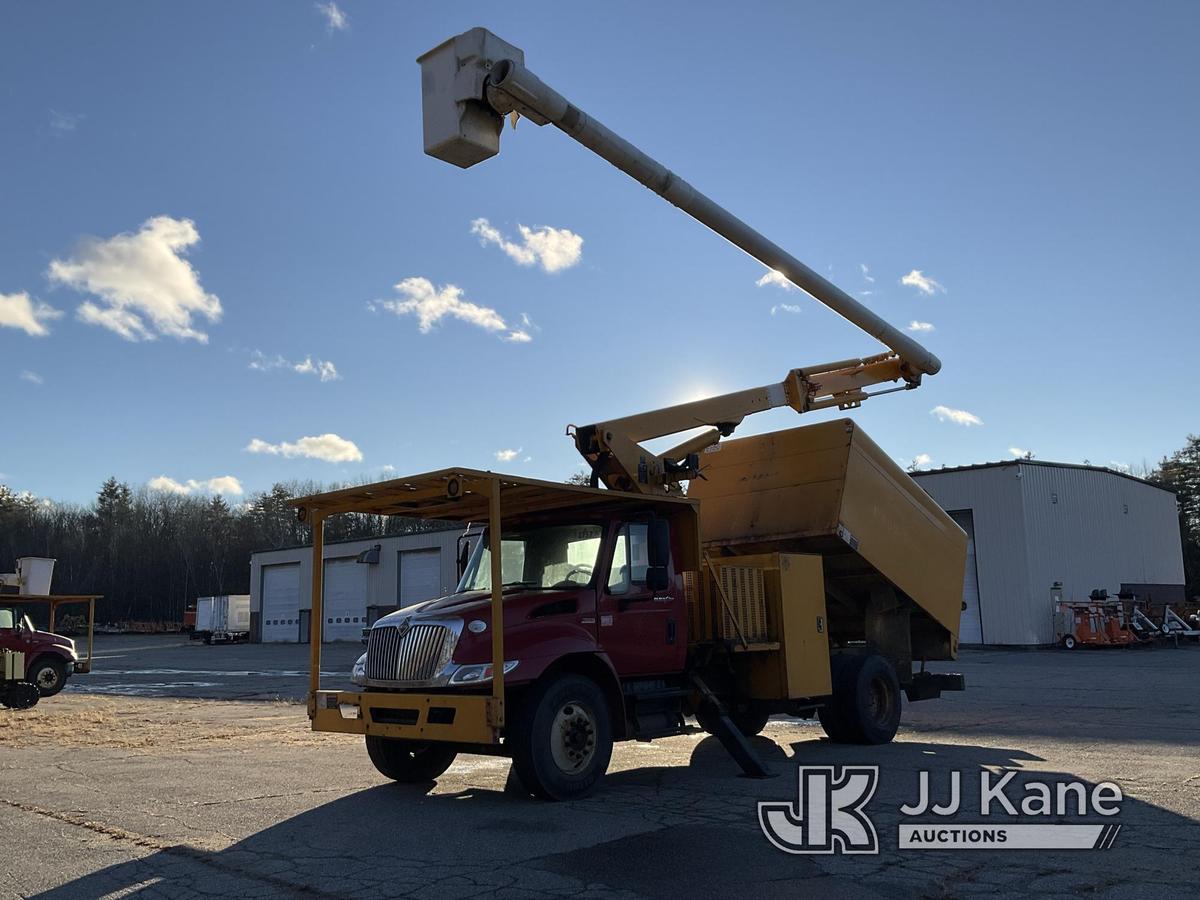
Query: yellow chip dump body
point(828, 489)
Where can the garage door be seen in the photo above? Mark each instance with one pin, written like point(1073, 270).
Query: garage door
point(281, 603)
point(970, 627)
point(420, 575)
point(345, 599)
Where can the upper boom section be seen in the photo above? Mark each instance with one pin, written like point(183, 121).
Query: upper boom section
point(471, 81)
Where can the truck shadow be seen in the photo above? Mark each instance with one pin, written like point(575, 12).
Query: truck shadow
point(390, 840)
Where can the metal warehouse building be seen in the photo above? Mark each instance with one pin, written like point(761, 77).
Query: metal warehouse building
point(406, 569)
point(1031, 524)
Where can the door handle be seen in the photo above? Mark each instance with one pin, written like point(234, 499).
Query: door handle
point(670, 631)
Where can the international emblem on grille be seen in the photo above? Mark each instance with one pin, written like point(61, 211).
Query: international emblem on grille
point(408, 652)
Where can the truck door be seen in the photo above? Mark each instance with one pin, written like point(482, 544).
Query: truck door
point(641, 628)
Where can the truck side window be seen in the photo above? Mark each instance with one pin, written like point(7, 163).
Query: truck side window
point(639, 552)
point(630, 558)
point(618, 575)
point(6, 618)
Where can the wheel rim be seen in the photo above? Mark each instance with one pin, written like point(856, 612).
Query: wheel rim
point(47, 678)
point(879, 700)
point(573, 737)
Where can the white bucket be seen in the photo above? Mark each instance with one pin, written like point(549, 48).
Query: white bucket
point(35, 573)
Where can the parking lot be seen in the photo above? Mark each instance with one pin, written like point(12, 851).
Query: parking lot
point(179, 770)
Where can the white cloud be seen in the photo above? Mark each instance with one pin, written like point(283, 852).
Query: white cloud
point(327, 447)
point(64, 123)
point(222, 484)
point(554, 249)
point(776, 278)
point(31, 377)
point(1120, 466)
point(322, 367)
point(957, 416)
point(1021, 452)
point(923, 283)
point(335, 17)
point(260, 362)
point(145, 286)
point(914, 325)
point(866, 273)
point(786, 307)
point(921, 459)
point(507, 455)
point(430, 305)
point(19, 310)
point(387, 469)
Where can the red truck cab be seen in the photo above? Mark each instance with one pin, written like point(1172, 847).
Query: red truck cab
point(50, 659)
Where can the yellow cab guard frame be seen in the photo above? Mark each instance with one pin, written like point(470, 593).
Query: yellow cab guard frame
point(457, 495)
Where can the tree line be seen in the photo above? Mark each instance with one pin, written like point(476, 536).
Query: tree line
point(151, 552)
point(1180, 472)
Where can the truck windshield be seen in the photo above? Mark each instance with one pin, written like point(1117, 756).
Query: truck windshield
point(544, 556)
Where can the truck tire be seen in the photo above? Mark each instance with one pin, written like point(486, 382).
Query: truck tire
point(748, 721)
point(562, 738)
point(19, 695)
point(49, 674)
point(865, 706)
point(409, 762)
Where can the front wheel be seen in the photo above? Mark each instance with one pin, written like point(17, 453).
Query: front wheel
point(49, 674)
point(562, 738)
point(409, 762)
point(1068, 642)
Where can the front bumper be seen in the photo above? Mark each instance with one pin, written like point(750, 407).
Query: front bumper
point(455, 718)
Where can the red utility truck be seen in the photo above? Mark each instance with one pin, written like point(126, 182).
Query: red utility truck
point(50, 659)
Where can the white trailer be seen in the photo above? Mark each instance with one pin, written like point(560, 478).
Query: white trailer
point(221, 620)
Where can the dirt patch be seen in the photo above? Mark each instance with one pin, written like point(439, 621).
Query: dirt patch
point(89, 720)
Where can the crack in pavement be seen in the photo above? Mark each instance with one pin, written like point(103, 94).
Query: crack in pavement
point(182, 851)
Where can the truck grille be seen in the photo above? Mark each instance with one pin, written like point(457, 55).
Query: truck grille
point(413, 656)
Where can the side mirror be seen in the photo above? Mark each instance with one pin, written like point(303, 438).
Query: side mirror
point(464, 555)
point(656, 578)
point(658, 552)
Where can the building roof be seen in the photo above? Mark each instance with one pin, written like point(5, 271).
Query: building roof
point(437, 527)
point(1007, 463)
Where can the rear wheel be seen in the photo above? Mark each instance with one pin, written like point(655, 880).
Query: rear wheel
point(865, 706)
point(748, 721)
point(409, 761)
point(562, 738)
point(49, 674)
point(19, 695)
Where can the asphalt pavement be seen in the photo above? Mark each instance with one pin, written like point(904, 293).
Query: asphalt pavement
point(155, 792)
point(143, 665)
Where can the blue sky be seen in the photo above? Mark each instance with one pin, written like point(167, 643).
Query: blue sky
point(1036, 161)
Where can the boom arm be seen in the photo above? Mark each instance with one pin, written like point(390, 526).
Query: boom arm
point(470, 82)
point(614, 449)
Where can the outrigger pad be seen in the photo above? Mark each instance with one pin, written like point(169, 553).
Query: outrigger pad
point(929, 685)
point(731, 737)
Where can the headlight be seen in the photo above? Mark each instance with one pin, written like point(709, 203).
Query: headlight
point(359, 673)
point(479, 673)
